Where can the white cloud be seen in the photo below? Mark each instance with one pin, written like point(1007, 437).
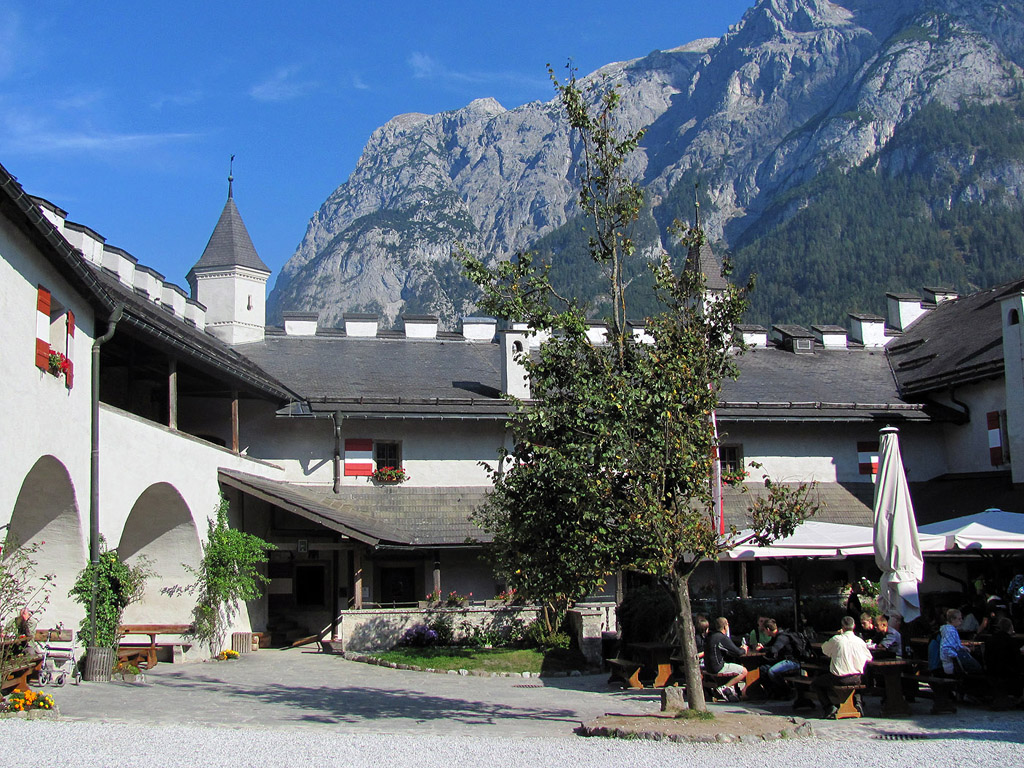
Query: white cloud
point(282, 86)
point(27, 135)
point(183, 99)
point(359, 84)
point(426, 67)
point(10, 28)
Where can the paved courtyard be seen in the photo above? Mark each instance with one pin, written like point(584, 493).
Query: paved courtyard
point(299, 706)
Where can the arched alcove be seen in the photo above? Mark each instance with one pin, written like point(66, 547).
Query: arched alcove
point(1013, 318)
point(46, 517)
point(160, 529)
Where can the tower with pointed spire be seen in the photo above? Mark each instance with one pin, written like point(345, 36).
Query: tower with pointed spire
point(230, 279)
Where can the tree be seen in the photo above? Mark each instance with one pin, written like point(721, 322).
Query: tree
point(227, 575)
point(614, 454)
point(115, 585)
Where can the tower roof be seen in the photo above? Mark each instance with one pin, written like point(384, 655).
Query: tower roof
point(230, 244)
point(703, 260)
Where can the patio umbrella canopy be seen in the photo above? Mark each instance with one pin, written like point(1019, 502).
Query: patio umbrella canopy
point(991, 529)
point(810, 539)
point(896, 544)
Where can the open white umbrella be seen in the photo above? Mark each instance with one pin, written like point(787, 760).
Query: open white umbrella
point(897, 547)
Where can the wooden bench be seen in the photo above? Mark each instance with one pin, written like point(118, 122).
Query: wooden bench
point(625, 670)
point(713, 680)
point(144, 655)
point(944, 691)
point(16, 674)
point(845, 694)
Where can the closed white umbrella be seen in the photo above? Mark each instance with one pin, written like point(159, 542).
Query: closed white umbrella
point(897, 547)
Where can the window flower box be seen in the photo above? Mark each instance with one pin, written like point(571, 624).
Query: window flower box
point(58, 364)
point(390, 475)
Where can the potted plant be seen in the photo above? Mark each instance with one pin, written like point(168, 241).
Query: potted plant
point(105, 588)
point(390, 475)
point(58, 364)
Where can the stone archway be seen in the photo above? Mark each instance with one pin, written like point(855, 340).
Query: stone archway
point(46, 516)
point(160, 528)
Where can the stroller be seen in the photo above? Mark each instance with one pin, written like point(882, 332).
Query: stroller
point(59, 661)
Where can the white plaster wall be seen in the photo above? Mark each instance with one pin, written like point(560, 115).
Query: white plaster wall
point(828, 452)
point(40, 415)
point(966, 446)
point(135, 454)
point(226, 296)
point(434, 453)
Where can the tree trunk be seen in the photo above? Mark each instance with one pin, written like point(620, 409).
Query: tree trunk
point(694, 683)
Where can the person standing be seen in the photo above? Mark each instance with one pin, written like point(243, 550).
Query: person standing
point(847, 655)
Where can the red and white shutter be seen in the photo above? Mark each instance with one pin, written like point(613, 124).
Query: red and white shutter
point(69, 378)
point(867, 458)
point(358, 457)
point(43, 329)
point(995, 438)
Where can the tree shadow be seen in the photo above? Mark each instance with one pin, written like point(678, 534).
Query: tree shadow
point(354, 704)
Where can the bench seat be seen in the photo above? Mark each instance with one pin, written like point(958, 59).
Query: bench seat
point(15, 676)
point(626, 670)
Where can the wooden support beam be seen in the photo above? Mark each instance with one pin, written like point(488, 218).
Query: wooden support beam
point(234, 421)
point(172, 394)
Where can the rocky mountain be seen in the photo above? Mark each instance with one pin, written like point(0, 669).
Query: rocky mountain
point(796, 92)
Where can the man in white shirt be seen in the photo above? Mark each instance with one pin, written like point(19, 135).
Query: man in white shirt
point(848, 654)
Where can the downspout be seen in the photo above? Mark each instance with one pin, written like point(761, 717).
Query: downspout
point(338, 418)
point(94, 464)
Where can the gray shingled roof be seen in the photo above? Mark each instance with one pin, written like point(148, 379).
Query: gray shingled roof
point(164, 330)
point(705, 260)
point(839, 384)
point(846, 503)
point(958, 342)
point(395, 515)
point(230, 244)
point(382, 375)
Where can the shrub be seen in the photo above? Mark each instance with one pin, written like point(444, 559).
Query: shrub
point(537, 636)
point(419, 636)
point(117, 586)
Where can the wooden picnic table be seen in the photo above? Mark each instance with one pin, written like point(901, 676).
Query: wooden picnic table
point(752, 661)
point(891, 671)
point(656, 659)
point(142, 654)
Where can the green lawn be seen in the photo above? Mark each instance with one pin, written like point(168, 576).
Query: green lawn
point(486, 659)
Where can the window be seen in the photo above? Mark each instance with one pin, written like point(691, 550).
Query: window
point(730, 458)
point(55, 335)
point(998, 444)
point(387, 455)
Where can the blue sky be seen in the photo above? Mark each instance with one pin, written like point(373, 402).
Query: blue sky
point(125, 114)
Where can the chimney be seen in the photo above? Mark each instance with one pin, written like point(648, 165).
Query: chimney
point(938, 295)
point(903, 309)
point(148, 281)
point(195, 313)
point(300, 323)
point(121, 263)
point(640, 333)
point(830, 336)
point(794, 338)
point(754, 335)
point(514, 349)
point(173, 299)
point(597, 333)
point(359, 324)
point(868, 330)
point(534, 338)
point(420, 326)
point(479, 328)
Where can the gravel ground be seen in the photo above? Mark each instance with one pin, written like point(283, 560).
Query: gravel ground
point(70, 744)
point(303, 708)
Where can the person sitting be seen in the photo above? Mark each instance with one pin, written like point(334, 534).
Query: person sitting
point(955, 659)
point(847, 655)
point(866, 629)
point(718, 645)
point(781, 655)
point(701, 626)
point(759, 636)
point(889, 644)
